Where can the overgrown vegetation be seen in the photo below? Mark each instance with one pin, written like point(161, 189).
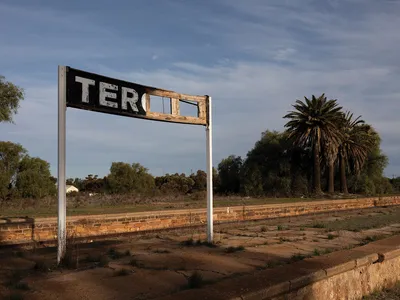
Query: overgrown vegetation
point(361, 222)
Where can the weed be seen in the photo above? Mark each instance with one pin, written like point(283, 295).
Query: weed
point(41, 266)
point(135, 263)
point(327, 251)
point(69, 261)
point(189, 242)
point(280, 227)
point(263, 228)
point(369, 239)
point(20, 254)
point(316, 252)
point(195, 280)
point(298, 257)
point(331, 236)
point(115, 254)
point(16, 296)
point(315, 240)
point(122, 272)
point(103, 261)
point(15, 277)
point(93, 258)
point(71, 256)
point(302, 228)
point(23, 286)
point(234, 249)
point(274, 263)
point(318, 225)
point(210, 245)
point(162, 251)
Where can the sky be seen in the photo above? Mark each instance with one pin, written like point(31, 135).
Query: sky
point(254, 57)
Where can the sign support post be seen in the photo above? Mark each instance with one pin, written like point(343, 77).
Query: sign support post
point(61, 234)
point(210, 230)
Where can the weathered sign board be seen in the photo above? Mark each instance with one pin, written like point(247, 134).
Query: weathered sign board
point(89, 91)
point(95, 92)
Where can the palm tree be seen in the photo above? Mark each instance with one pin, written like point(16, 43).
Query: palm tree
point(357, 139)
point(331, 154)
point(313, 123)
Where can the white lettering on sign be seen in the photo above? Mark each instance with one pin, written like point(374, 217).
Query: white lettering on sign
point(131, 99)
point(85, 87)
point(107, 94)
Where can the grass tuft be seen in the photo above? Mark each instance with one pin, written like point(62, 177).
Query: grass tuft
point(23, 286)
point(42, 266)
point(331, 236)
point(122, 272)
point(298, 257)
point(16, 296)
point(234, 249)
point(195, 280)
point(316, 252)
point(161, 251)
point(318, 225)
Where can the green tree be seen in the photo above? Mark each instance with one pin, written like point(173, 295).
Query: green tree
point(313, 123)
point(200, 180)
point(126, 178)
point(266, 170)
point(356, 142)
point(91, 183)
point(229, 170)
point(175, 184)
point(216, 180)
point(34, 178)
point(10, 156)
point(10, 97)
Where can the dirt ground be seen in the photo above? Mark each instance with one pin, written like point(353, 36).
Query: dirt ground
point(152, 265)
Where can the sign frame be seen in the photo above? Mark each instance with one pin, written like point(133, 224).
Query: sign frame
point(113, 96)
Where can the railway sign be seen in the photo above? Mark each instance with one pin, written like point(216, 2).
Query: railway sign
point(89, 91)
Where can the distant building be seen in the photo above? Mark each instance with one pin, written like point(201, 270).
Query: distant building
point(70, 189)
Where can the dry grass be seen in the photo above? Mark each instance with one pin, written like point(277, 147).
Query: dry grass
point(387, 294)
point(358, 223)
point(107, 204)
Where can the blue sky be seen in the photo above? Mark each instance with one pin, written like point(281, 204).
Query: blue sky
point(254, 57)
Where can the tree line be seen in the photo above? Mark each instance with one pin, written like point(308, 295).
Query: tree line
point(322, 149)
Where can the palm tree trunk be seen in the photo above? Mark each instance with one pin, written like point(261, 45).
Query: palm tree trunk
point(331, 179)
point(317, 170)
point(343, 180)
